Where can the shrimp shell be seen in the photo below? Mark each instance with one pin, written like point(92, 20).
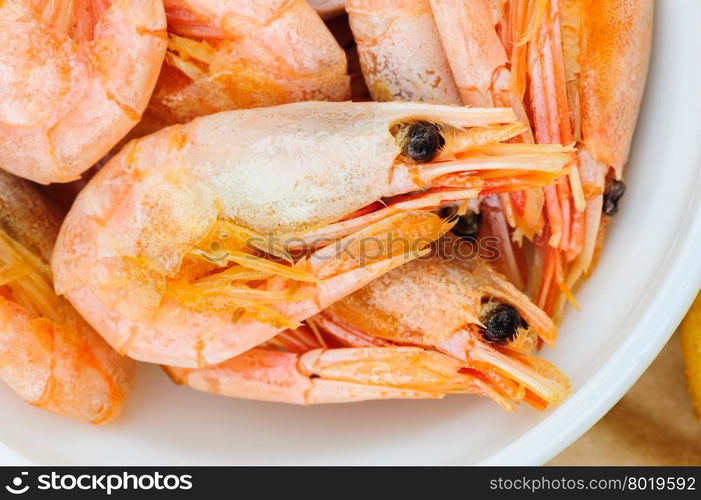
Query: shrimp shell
point(48, 355)
point(274, 172)
point(76, 77)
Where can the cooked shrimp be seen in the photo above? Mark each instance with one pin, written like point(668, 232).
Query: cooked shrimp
point(243, 54)
point(431, 328)
point(482, 72)
point(460, 289)
point(567, 64)
point(606, 81)
point(168, 251)
point(235, 55)
point(48, 355)
point(584, 66)
point(386, 32)
point(587, 68)
point(75, 78)
point(457, 58)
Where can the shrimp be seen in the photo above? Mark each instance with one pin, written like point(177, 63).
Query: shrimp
point(587, 66)
point(76, 77)
point(584, 65)
point(386, 31)
point(49, 356)
point(201, 241)
point(435, 326)
point(243, 54)
point(234, 55)
point(457, 58)
point(559, 63)
point(615, 40)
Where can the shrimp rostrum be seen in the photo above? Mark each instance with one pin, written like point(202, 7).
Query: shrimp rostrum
point(49, 355)
point(436, 326)
point(203, 240)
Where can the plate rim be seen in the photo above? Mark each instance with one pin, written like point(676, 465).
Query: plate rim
point(679, 281)
point(664, 312)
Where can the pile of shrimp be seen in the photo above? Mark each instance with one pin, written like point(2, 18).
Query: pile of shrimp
point(306, 202)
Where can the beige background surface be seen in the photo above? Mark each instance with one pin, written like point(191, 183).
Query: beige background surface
point(652, 425)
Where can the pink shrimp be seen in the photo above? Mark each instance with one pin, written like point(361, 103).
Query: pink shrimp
point(49, 356)
point(457, 58)
point(242, 54)
point(526, 54)
point(433, 327)
point(76, 77)
point(386, 33)
point(235, 55)
point(580, 57)
point(168, 251)
point(615, 39)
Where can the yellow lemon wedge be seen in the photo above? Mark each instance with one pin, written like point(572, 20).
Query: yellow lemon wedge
point(691, 349)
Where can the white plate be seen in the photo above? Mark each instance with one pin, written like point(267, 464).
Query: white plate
point(647, 277)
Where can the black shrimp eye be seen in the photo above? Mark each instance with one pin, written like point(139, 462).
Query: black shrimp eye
point(448, 212)
point(502, 324)
point(423, 141)
point(612, 194)
point(468, 226)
